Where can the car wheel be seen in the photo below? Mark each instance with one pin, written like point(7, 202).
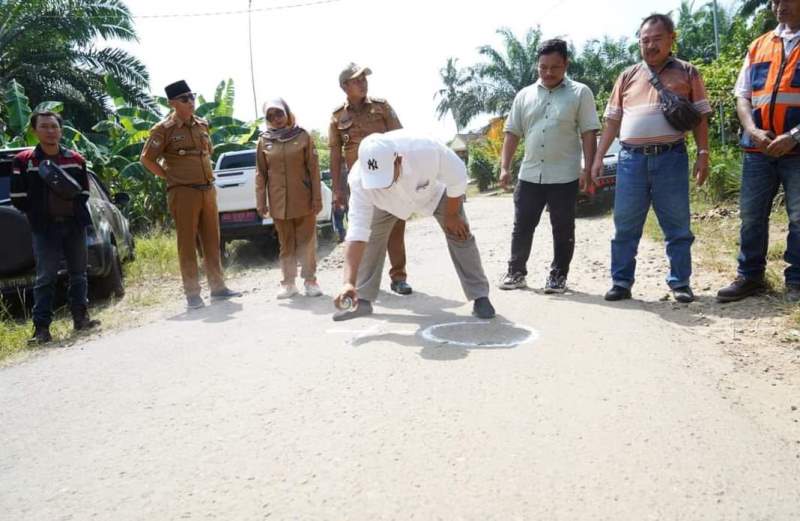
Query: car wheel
point(111, 284)
point(16, 246)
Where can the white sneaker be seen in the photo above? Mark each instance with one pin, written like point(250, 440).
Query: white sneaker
point(313, 289)
point(287, 291)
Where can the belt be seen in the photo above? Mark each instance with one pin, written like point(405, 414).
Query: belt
point(62, 220)
point(203, 187)
point(184, 152)
point(654, 150)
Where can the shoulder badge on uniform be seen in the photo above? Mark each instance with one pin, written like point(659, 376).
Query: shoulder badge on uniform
point(377, 100)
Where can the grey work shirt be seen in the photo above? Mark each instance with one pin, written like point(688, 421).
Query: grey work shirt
point(551, 122)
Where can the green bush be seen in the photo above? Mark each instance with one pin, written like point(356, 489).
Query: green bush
point(725, 177)
point(483, 166)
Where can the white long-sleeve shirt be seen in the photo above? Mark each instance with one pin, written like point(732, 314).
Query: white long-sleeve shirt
point(428, 170)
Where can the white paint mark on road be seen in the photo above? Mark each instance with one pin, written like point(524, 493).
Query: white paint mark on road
point(506, 335)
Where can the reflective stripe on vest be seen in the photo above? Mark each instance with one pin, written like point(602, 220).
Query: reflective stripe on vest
point(776, 84)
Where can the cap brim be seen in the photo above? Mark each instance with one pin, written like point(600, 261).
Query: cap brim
point(366, 71)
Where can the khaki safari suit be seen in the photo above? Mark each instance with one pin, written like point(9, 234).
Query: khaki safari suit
point(287, 176)
point(185, 153)
point(349, 126)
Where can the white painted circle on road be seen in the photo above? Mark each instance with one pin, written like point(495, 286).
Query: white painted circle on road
point(484, 334)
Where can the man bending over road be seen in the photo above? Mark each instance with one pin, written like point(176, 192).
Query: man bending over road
point(398, 174)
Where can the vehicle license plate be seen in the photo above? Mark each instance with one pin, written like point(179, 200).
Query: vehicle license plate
point(240, 217)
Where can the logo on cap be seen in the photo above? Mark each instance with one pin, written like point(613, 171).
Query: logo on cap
point(372, 164)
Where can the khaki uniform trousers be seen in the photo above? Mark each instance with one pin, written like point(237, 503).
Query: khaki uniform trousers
point(298, 239)
point(195, 215)
point(396, 248)
point(464, 254)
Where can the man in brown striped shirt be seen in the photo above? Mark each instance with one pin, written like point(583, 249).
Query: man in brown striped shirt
point(653, 166)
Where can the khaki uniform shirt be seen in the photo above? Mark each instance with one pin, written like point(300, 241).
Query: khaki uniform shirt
point(287, 173)
point(350, 125)
point(184, 149)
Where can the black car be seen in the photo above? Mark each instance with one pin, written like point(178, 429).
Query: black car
point(109, 240)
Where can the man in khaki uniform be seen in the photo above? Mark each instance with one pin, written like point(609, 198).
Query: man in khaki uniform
point(179, 150)
point(356, 119)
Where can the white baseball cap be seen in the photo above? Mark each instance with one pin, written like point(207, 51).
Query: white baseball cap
point(376, 156)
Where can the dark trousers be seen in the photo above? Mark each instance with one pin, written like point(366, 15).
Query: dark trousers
point(63, 238)
point(530, 200)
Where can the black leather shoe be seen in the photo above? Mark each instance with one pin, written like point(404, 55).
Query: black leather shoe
point(401, 287)
point(617, 293)
point(41, 335)
point(684, 295)
point(362, 309)
point(741, 288)
point(482, 308)
point(224, 294)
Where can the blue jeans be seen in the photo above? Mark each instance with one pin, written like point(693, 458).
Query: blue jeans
point(339, 215)
point(662, 180)
point(761, 177)
point(67, 238)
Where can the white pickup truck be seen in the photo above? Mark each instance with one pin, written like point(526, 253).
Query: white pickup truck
point(235, 175)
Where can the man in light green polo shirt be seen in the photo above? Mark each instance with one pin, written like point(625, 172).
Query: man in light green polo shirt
point(557, 118)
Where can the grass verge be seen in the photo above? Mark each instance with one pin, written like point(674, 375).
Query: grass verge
point(149, 281)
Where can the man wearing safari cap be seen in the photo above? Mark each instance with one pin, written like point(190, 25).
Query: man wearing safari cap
point(179, 150)
point(359, 117)
point(398, 174)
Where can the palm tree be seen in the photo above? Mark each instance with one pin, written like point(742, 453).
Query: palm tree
point(50, 48)
point(751, 7)
point(507, 71)
point(601, 61)
point(457, 98)
point(696, 29)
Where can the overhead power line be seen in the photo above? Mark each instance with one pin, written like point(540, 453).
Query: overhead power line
point(238, 11)
point(154, 16)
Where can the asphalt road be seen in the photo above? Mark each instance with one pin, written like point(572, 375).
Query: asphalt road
point(563, 408)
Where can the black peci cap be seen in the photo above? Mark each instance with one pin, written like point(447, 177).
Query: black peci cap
point(174, 90)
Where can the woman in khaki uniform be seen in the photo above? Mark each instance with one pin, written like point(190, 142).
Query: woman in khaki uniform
point(288, 188)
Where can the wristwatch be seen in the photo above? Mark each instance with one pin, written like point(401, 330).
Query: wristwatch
point(795, 133)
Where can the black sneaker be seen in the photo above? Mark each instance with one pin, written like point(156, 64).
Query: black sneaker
point(482, 308)
point(617, 293)
point(793, 293)
point(514, 281)
point(362, 309)
point(741, 288)
point(684, 294)
point(555, 284)
point(194, 302)
point(41, 335)
point(225, 293)
point(401, 287)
